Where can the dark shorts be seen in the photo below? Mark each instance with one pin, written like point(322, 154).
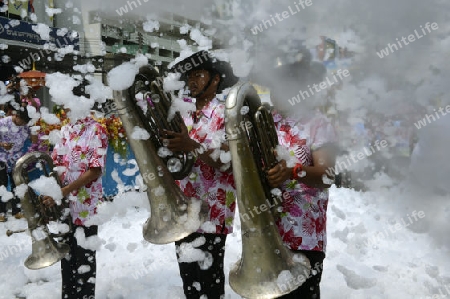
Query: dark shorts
point(310, 289)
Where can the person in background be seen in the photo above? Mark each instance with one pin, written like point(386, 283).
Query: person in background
point(13, 134)
point(13, 86)
point(31, 99)
point(309, 137)
point(8, 108)
point(82, 153)
point(40, 136)
point(211, 179)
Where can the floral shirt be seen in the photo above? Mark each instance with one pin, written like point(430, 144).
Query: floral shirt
point(43, 143)
point(302, 224)
point(17, 135)
point(83, 146)
point(207, 183)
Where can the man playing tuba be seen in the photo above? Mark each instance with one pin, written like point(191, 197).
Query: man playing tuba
point(309, 137)
point(211, 178)
point(82, 154)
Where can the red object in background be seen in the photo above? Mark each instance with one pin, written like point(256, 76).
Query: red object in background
point(30, 6)
point(34, 78)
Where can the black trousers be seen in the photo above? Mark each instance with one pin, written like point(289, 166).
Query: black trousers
point(310, 289)
point(78, 268)
point(204, 277)
point(15, 201)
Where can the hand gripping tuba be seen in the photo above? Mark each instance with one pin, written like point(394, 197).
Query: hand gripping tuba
point(45, 250)
point(267, 269)
point(173, 215)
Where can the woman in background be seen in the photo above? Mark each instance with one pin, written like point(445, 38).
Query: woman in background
point(13, 134)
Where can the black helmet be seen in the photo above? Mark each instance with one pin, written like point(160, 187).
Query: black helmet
point(295, 66)
point(203, 60)
point(289, 74)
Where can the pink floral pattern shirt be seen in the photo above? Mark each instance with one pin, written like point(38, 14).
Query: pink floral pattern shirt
point(83, 146)
point(302, 224)
point(207, 183)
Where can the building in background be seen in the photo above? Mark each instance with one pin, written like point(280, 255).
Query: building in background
point(125, 28)
point(81, 31)
point(24, 43)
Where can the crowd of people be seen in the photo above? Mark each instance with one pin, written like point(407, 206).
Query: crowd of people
point(81, 152)
point(358, 134)
point(309, 138)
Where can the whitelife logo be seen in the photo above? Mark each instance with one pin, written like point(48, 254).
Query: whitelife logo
point(319, 87)
point(124, 9)
point(341, 165)
point(195, 61)
point(281, 17)
point(33, 57)
point(411, 38)
point(430, 117)
point(398, 226)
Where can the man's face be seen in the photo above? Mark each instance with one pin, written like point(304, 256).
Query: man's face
point(197, 81)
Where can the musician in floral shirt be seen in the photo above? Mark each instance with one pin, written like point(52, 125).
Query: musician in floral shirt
point(82, 155)
point(302, 177)
point(82, 150)
point(215, 186)
point(211, 178)
point(303, 137)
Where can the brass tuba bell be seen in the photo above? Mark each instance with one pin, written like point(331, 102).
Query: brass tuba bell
point(45, 250)
point(173, 215)
point(267, 269)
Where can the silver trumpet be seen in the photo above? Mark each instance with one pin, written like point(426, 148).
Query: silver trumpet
point(45, 250)
point(267, 269)
point(173, 215)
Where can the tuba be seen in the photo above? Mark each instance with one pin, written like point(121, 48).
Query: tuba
point(267, 269)
point(45, 250)
point(145, 105)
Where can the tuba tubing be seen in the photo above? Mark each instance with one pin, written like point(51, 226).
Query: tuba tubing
point(45, 250)
point(173, 215)
point(267, 269)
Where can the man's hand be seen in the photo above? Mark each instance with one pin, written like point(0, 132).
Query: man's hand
point(278, 174)
point(47, 201)
point(179, 142)
point(7, 145)
point(65, 191)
